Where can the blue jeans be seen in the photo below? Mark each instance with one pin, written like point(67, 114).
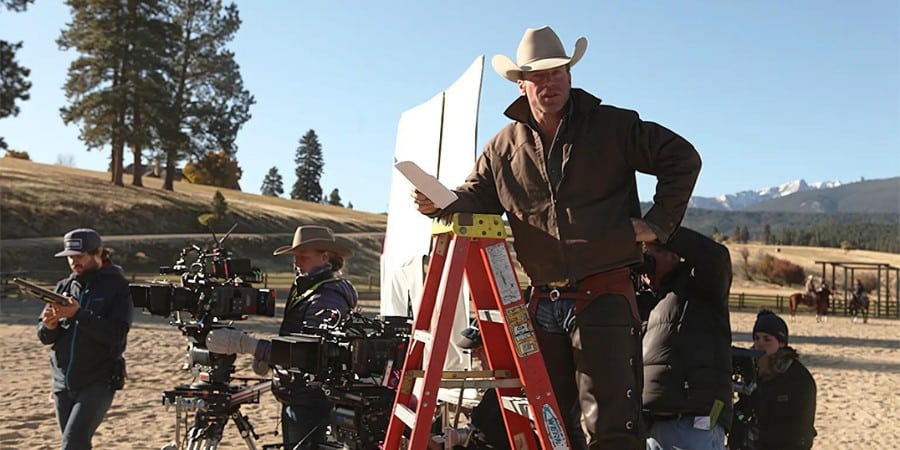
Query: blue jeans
point(680, 434)
point(303, 426)
point(80, 412)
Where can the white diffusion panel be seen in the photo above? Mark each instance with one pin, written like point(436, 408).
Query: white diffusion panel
point(408, 236)
point(439, 136)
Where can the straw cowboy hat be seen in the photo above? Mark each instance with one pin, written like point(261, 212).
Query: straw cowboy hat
point(540, 49)
point(314, 237)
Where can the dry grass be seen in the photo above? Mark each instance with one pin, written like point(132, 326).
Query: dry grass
point(47, 200)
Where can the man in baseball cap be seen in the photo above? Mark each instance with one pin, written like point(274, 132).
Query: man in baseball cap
point(78, 241)
point(87, 370)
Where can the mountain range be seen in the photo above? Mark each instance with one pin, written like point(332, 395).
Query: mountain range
point(866, 196)
point(743, 199)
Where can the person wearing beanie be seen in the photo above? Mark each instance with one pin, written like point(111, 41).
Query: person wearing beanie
point(784, 403)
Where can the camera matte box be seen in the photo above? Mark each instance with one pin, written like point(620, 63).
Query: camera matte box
point(297, 351)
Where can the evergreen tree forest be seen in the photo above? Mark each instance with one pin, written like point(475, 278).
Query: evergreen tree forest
point(861, 231)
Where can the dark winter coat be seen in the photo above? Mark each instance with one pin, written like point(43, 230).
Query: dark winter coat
point(89, 346)
point(309, 303)
point(687, 345)
point(784, 403)
point(583, 225)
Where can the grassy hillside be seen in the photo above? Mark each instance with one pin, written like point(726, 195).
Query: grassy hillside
point(47, 200)
point(146, 227)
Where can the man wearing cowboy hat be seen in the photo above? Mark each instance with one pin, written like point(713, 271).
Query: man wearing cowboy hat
point(318, 292)
point(563, 171)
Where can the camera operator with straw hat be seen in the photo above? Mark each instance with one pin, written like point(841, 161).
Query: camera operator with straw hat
point(319, 292)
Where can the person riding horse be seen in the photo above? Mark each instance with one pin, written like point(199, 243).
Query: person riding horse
point(859, 293)
point(819, 298)
point(810, 289)
point(859, 302)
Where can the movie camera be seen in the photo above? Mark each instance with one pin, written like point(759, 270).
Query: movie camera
point(353, 359)
point(214, 286)
point(743, 369)
point(744, 381)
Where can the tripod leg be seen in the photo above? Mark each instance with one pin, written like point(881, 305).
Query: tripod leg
point(212, 444)
point(195, 438)
point(245, 428)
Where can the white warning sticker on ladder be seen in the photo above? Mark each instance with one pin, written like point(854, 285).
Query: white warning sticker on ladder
point(502, 269)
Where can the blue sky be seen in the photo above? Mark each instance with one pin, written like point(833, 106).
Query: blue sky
point(768, 91)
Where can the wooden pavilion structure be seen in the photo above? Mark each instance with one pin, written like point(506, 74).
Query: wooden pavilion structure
point(884, 302)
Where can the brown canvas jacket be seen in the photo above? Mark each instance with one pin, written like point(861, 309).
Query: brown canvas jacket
point(585, 227)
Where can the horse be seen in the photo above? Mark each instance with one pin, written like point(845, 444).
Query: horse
point(857, 305)
point(821, 302)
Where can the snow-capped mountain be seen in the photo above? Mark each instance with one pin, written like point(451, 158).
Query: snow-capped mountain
point(743, 199)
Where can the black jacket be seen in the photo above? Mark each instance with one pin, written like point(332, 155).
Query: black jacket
point(687, 345)
point(785, 404)
point(87, 347)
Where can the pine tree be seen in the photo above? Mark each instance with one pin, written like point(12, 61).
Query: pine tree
point(309, 169)
point(272, 184)
point(745, 234)
point(767, 234)
point(219, 210)
point(334, 198)
point(220, 206)
point(111, 85)
point(207, 103)
point(14, 84)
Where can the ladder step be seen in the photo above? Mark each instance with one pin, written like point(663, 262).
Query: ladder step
point(465, 374)
point(518, 405)
point(481, 383)
point(422, 336)
point(490, 315)
point(405, 415)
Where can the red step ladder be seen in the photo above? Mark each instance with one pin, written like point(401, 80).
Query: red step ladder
point(474, 246)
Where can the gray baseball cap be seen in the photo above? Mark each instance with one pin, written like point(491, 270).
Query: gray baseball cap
point(79, 241)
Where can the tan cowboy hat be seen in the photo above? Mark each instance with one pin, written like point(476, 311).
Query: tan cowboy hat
point(540, 49)
point(314, 237)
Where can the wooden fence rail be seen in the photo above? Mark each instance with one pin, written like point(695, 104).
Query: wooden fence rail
point(742, 301)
